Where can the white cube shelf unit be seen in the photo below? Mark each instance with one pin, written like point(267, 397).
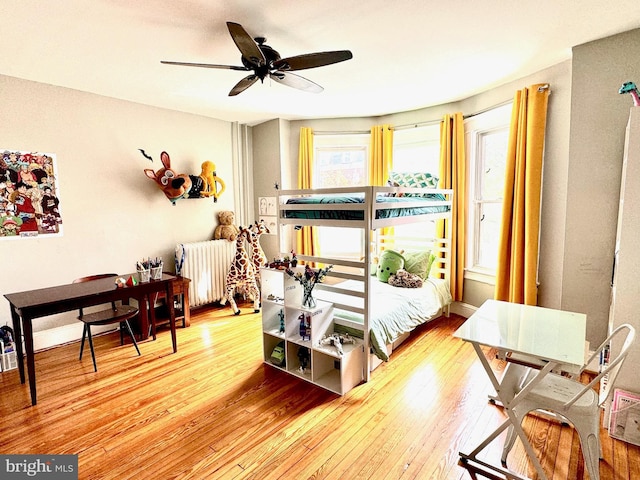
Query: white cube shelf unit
point(282, 312)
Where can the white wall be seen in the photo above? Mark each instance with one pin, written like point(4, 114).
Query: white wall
point(113, 214)
point(266, 172)
point(599, 116)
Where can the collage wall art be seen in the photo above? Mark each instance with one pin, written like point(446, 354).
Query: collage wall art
point(29, 202)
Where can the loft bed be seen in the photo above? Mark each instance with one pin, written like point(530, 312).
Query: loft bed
point(381, 314)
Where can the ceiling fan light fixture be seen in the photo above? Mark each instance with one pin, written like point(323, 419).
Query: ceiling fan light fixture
point(264, 60)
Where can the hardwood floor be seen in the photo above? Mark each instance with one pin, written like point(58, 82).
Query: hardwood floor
point(215, 411)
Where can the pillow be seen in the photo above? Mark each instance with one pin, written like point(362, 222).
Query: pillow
point(415, 180)
point(419, 263)
point(389, 263)
point(391, 183)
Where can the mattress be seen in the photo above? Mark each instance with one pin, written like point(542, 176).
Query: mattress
point(428, 207)
point(397, 310)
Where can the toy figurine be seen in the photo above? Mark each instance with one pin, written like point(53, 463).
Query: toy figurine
point(305, 326)
point(336, 340)
point(281, 316)
point(630, 87)
point(304, 358)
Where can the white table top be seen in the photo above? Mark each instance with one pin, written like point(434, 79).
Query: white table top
point(552, 335)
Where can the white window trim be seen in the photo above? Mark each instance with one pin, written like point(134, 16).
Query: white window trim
point(490, 121)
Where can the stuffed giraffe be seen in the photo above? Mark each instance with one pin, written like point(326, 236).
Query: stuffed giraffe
point(242, 273)
point(258, 257)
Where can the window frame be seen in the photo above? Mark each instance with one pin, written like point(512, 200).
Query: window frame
point(339, 143)
point(497, 119)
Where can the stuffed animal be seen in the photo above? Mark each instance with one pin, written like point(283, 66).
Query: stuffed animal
point(389, 263)
point(175, 186)
point(258, 256)
point(402, 278)
point(226, 229)
point(211, 181)
point(241, 275)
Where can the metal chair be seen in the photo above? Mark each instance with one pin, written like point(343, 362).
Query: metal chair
point(116, 314)
point(577, 403)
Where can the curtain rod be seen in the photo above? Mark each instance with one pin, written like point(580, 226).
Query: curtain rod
point(427, 123)
point(367, 132)
point(408, 125)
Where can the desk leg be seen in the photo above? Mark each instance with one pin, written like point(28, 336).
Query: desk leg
point(152, 314)
point(143, 309)
point(172, 315)
point(508, 402)
point(17, 332)
point(186, 309)
point(31, 363)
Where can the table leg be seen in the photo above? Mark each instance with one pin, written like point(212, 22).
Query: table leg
point(31, 363)
point(152, 314)
point(508, 401)
point(186, 309)
point(172, 315)
point(17, 332)
point(143, 312)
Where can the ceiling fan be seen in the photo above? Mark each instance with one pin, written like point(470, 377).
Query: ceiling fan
point(266, 62)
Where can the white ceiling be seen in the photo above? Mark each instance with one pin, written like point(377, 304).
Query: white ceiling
point(406, 54)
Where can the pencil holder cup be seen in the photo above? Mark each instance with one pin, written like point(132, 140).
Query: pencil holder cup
point(144, 274)
point(156, 272)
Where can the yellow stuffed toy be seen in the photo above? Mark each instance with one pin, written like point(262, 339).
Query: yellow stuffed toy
point(210, 181)
point(226, 229)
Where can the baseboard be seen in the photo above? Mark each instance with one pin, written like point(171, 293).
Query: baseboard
point(463, 309)
point(72, 332)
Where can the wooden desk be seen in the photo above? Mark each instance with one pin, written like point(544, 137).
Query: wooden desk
point(180, 289)
point(28, 305)
point(553, 336)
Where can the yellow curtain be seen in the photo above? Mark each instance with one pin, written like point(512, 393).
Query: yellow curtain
point(380, 155)
point(453, 176)
point(516, 276)
point(306, 237)
point(381, 160)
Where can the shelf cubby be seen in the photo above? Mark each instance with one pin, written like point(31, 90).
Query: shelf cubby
point(327, 368)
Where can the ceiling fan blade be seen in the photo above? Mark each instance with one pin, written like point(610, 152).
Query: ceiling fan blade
point(296, 81)
point(243, 84)
point(247, 45)
point(206, 65)
point(312, 60)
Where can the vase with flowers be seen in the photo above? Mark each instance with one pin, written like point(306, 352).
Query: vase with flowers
point(308, 279)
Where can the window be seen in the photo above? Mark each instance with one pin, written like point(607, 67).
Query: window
point(340, 167)
point(416, 150)
point(340, 161)
point(487, 137)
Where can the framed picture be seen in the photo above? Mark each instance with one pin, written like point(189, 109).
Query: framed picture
point(624, 421)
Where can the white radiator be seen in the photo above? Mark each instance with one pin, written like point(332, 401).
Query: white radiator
point(206, 264)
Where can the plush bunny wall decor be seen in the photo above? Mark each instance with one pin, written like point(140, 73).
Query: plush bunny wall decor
point(175, 186)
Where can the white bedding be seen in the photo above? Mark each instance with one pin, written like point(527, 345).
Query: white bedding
point(397, 310)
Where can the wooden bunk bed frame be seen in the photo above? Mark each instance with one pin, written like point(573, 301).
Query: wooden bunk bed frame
point(361, 270)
